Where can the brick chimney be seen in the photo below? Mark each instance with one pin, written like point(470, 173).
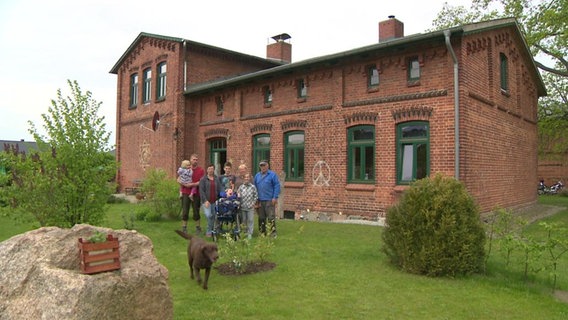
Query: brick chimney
point(281, 50)
point(390, 29)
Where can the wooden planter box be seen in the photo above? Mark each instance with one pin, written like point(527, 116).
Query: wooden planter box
point(99, 256)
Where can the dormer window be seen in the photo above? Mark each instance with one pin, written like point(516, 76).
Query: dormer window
point(220, 106)
point(413, 69)
point(302, 89)
point(267, 92)
point(372, 76)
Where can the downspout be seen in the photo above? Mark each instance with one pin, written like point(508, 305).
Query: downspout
point(184, 66)
point(447, 34)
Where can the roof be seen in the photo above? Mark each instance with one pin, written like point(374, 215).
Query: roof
point(21, 145)
point(195, 44)
point(385, 46)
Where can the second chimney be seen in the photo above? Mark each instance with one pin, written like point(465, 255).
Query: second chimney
point(281, 50)
point(390, 29)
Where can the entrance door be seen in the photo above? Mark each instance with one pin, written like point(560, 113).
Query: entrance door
point(218, 154)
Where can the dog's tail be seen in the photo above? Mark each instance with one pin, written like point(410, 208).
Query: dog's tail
point(183, 234)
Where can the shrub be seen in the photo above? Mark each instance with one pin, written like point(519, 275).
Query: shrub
point(435, 229)
point(162, 193)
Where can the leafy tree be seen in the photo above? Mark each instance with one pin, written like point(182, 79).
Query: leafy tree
point(67, 181)
point(544, 24)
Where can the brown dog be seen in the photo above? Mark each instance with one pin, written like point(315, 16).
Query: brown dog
point(200, 255)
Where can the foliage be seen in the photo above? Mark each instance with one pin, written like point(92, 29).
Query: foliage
point(98, 237)
point(543, 24)
point(245, 252)
point(435, 229)
point(67, 180)
point(162, 193)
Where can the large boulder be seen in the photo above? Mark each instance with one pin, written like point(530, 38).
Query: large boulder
point(40, 278)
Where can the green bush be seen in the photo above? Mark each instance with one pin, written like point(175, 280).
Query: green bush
point(162, 193)
point(435, 229)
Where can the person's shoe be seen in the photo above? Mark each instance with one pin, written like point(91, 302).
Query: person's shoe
point(208, 235)
point(249, 236)
point(198, 230)
point(184, 229)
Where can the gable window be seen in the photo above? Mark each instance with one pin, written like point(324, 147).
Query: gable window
point(372, 76)
point(260, 149)
point(413, 69)
point(413, 151)
point(147, 88)
point(267, 95)
point(294, 155)
point(361, 154)
point(302, 88)
point(161, 88)
point(504, 71)
point(220, 105)
point(133, 90)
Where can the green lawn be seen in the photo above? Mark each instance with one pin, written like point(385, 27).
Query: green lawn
point(337, 271)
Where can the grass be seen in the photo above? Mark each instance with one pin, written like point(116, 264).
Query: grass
point(337, 271)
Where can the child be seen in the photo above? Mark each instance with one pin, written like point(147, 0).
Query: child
point(249, 196)
point(185, 174)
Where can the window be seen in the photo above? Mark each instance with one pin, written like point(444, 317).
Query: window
point(413, 69)
point(133, 90)
point(504, 71)
point(219, 103)
point(267, 95)
point(413, 151)
point(361, 154)
point(302, 89)
point(294, 155)
point(372, 76)
point(161, 86)
point(218, 153)
point(260, 149)
point(147, 89)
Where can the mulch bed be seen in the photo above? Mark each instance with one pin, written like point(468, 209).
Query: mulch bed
point(228, 269)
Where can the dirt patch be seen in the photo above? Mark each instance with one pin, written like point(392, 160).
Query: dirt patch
point(537, 211)
point(561, 295)
point(228, 269)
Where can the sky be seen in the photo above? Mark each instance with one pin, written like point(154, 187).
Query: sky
point(45, 43)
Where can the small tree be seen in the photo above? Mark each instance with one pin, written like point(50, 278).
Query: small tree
point(435, 229)
point(67, 180)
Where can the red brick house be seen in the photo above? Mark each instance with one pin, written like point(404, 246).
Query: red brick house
point(350, 130)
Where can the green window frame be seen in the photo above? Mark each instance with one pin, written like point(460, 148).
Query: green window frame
point(361, 154)
point(504, 71)
point(260, 149)
point(413, 151)
point(218, 153)
point(147, 89)
point(133, 90)
point(302, 88)
point(372, 76)
point(413, 69)
point(294, 155)
point(161, 81)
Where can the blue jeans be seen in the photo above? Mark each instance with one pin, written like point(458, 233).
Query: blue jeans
point(209, 215)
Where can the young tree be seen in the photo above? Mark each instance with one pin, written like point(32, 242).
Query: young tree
point(67, 181)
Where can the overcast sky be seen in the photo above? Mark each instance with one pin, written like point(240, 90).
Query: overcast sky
point(45, 43)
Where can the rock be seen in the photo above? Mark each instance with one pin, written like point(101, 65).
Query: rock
point(40, 278)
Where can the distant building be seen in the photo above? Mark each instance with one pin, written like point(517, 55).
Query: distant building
point(349, 130)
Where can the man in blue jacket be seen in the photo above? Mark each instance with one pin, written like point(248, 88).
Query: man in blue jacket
point(268, 187)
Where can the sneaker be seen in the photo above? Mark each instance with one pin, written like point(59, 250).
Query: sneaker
point(208, 235)
point(184, 229)
point(249, 236)
point(198, 230)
